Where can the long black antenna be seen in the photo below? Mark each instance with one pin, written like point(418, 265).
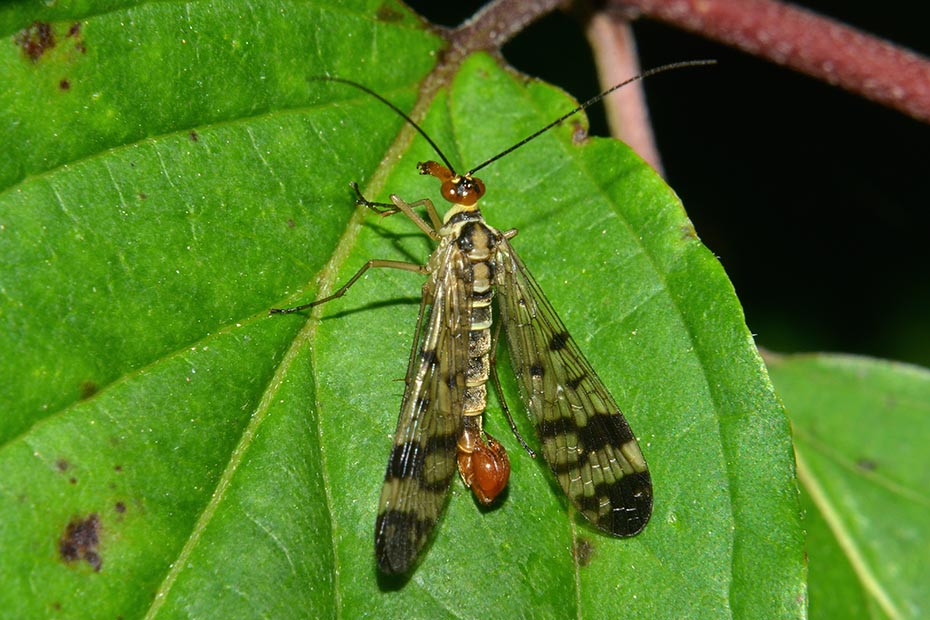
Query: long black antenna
point(589, 103)
point(586, 104)
point(362, 87)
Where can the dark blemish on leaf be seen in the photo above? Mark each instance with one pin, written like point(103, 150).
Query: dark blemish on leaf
point(193, 136)
point(72, 480)
point(75, 32)
point(88, 389)
point(579, 133)
point(584, 551)
point(866, 464)
point(143, 195)
point(62, 465)
point(80, 540)
point(387, 13)
point(35, 40)
point(64, 84)
point(117, 468)
point(120, 507)
point(290, 223)
point(56, 606)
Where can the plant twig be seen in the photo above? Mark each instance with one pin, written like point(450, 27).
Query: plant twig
point(810, 43)
point(614, 50)
point(496, 23)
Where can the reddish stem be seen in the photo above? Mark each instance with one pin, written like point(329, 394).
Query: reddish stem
point(809, 43)
point(614, 50)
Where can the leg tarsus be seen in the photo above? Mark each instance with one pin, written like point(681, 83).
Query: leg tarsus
point(496, 382)
point(374, 263)
point(383, 209)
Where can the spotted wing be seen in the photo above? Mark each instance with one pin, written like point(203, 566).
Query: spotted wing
point(423, 457)
point(584, 437)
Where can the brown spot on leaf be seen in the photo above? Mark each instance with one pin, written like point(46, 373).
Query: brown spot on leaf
point(291, 223)
point(80, 540)
point(88, 389)
point(72, 480)
point(62, 465)
point(64, 84)
point(584, 551)
point(688, 233)
point(387, 13)
point(194, 136)
point(35, 40)
point(120, 507)
point(143, 195)
point(866, 464)
point(579, 133)
point(117, 468)
point(74, 32)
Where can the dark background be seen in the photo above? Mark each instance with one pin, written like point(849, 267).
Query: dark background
point(813, 199)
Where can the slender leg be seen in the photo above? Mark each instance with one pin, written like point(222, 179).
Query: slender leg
point(398, 205)
point(500, 392)
point(378, 264)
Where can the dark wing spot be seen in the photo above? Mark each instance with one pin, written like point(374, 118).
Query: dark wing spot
point(405, 461)
point(575, 382)
point(398, 539)
point(630, 501)
point(603, 429)
point(428, 356)
point(558, 341)
point(537, 370)
point(552, 428)
point(422, 403)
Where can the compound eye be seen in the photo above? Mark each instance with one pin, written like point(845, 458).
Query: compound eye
point(449, 191)
point(469, 191)
point(479, 187)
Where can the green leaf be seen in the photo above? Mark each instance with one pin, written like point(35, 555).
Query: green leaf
point(860, 430)
point(214, 461)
